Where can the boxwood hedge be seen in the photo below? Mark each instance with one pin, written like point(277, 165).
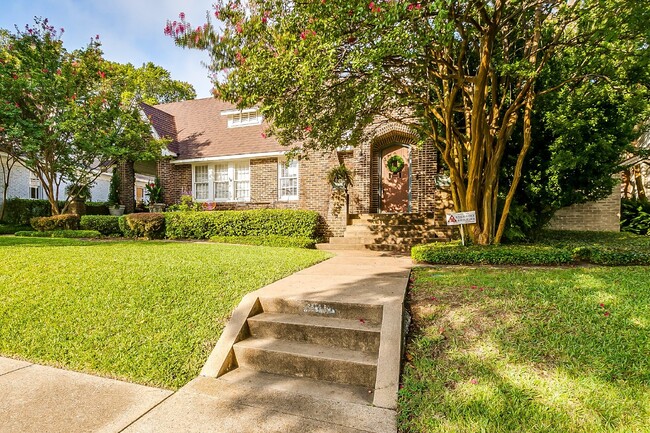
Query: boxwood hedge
point(143, 225)
point(105, 224)
point(259, 222)
point(456, 254)
point(56, 222)
point(61, 234)
point(270, 240)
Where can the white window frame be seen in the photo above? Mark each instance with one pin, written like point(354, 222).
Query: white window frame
point(231, 181)
point(35, 185)
point(242, 118)
point(283, 162)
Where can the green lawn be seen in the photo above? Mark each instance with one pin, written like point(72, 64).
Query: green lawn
point(149, 312)
point(528, 350)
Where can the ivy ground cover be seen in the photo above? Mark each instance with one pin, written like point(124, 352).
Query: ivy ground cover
point(527, 350)
point(148, 312)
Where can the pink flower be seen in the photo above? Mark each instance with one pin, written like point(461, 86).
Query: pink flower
point(601, 305)
point(606, 313)
point(433, 298)
point(239, 28)
point(303, 35)
point(362, 321)
point(474, 382)
point(58, 72)
point(96, 37)
point(371, 6)
point(263, 135)
point(181, 15)
point(308, 129)
point(264, 20)
point(101, 74)
point(45, 71)
point(474, 287)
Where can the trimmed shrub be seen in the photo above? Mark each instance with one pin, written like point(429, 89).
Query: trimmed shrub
point(19, 210)
point(56, 222)
point(143, 225)
point(105, 224)
point(261, 222)
point(613, 256)
point(456, 254)
point(61, 234)
point(10, 229)
point(270, 240)
point(97, 208)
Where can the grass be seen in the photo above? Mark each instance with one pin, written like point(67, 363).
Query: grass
point(148, 312)
point(528, 350)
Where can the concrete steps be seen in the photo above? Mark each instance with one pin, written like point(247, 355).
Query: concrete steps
point(389, 232)
point(314, 346)
point(299, 359)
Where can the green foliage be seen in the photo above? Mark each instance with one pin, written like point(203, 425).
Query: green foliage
point(114, 189)
point(19, 210)
point(96, 208)
point(155, 191)
point(340, 177)
point(105, 224)
point(510, 350)
point(456, 254)
point(55, 222)
point(187, 204)
point(10, 229)
point(67, 234)
point(146, 312)
point(268, 240)
point(263, 222)
point(143, 225)
point(551, 248)
point(152, 85)
point(62, 114)
point(635, 216)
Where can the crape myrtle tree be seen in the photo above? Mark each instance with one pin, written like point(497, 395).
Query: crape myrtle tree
point(152, 84)
point(462, 74)
point(61, 113)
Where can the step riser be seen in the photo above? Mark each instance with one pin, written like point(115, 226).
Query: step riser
point(365, 341)
point(370, 313)
point(300, 366)
point(382, 240)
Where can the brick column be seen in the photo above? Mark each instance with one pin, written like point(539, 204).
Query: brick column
point(127, 185)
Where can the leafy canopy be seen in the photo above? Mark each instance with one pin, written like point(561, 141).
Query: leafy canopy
point(63, 115)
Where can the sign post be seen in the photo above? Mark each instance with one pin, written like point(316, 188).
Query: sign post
point(460, 219)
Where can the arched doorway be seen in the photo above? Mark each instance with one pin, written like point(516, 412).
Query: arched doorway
point(395, 179)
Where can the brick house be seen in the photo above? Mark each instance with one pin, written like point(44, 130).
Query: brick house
point(220, 154)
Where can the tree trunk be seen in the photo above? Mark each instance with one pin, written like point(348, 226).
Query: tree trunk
point(638, 179)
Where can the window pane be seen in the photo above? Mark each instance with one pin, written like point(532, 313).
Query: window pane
point(242, 190)
point(201, 173)
point(242, 171)
point(201, 182)
point(288, 180)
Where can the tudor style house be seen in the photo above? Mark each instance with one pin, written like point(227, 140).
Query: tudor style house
point(219, 154)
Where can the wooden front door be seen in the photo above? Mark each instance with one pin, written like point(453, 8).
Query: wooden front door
point(395, 183)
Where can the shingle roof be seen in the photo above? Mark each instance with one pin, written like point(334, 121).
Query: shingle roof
point(201, 131)
point(163, 123)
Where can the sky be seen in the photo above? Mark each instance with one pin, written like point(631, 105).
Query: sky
point(131, 31)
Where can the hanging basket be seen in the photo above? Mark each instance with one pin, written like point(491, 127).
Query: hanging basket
point(395, 164)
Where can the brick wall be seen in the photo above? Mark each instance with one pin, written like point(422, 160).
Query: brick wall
point(264, 180)
point(602, 215)
point(176, 180)
point(127, 185)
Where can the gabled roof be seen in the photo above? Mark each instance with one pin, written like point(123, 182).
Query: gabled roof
point(200, 130)
point(163, 123)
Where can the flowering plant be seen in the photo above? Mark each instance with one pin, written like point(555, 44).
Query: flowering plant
point(155, 191)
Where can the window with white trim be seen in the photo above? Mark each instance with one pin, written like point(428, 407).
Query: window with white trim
point(288, 180)
point(223, 181)
point(245, 118)
point(201, 182)
point(35, 187)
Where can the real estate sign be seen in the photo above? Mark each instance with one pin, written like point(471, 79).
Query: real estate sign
point(458, 218)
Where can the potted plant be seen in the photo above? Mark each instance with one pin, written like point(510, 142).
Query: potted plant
point(340, 178)
point(155, 191)
point(115, 207)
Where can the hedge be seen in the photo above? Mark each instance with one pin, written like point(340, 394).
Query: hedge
point(56, 222)
point(143, 225)
point(260, 222)
point(567, 253)
point(10, 229)
point(270, 240)
point(456, 254)
point(61, 234)
point(20, 210)
point(105, 224)
point(96, 208)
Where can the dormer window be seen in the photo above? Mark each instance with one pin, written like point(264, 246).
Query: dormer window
point(239, 118)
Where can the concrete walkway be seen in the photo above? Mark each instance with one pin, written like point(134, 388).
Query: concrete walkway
point(42, 399)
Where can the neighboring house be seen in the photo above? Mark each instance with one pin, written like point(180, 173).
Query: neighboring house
point(219, 154)
point(24, 184)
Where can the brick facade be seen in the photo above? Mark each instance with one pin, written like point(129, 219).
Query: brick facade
point(126, 173)
point(602, 215)
point(315, 193)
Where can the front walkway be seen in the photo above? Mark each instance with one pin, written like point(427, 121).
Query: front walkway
point(35, 398)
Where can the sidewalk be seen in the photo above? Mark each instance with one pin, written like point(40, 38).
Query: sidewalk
point(42, 399)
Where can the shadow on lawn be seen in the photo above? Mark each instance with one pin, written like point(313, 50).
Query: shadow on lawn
point(513, 350)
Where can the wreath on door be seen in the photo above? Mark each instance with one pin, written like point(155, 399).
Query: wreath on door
point(395, 164)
